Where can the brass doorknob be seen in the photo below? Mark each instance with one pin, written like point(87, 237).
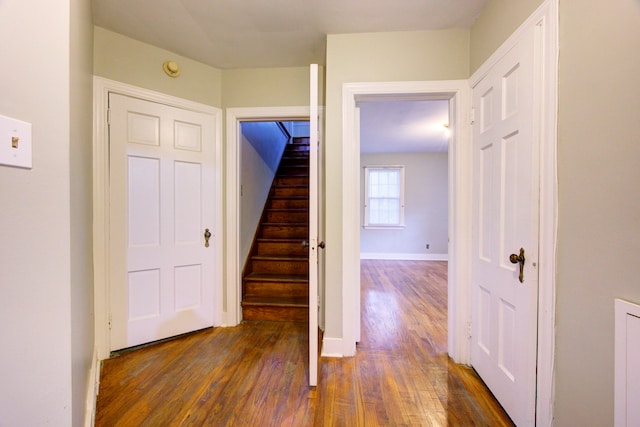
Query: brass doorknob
point(519, 259)
point(207, 236)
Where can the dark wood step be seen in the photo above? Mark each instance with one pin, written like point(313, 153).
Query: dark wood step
point(298, 142)
point(289, 203)
point(281, 247)
point(296, 154)
point(293, 170)
point(292, 180)
point(284, 230)
point(291, 191)
point(287, 215)
point(276, 309)
point(279, 264)
point(294, 161)
point(272, 285)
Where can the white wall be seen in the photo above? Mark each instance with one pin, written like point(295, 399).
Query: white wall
point(35, 257)
point(262, 144)
point(426, 208)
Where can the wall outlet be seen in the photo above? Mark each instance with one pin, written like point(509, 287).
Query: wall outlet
point(427, 246)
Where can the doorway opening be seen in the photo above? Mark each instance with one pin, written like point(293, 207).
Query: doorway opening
point(404, 215)
point(235, 245)
point(456, 94)
point(274, 220)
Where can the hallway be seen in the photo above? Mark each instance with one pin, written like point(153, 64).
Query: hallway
point(255, 374)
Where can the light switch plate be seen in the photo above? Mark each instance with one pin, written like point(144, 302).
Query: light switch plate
point(15, 143)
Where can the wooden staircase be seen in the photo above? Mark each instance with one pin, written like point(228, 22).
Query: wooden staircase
point(275, 280)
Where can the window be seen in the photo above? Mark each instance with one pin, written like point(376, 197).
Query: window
point(384, 197)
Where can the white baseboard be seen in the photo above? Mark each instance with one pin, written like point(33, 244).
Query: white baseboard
point(332, 347)
point(405, 257)
point(93, 386)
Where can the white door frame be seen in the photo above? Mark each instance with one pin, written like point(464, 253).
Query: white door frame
point(545, 18)
point(101, 221)
point(232, 293)
point(458, 94)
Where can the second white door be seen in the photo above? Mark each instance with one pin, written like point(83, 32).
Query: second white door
point(162, 216)
point(505, 232)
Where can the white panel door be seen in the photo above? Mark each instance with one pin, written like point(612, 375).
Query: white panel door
point(162, 193)
point(314, 142)
point(505, 204)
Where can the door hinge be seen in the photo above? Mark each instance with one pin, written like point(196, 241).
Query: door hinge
point(109, 322)
point(109, 116)
point(469, 329)
point(472, 116)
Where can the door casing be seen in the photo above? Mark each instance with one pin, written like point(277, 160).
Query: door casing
point(458, 94)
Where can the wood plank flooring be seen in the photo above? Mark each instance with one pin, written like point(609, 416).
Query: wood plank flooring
point(256, 374)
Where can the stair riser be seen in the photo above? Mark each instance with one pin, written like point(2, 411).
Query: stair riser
point(280, 267)
point(287, 216)
point(301, 152)
point(289, 204)
point(293, 170)
point(292, 180)
point(281, 314)
point(291, 192)
point(281, 289)
point(288, 248)
point(294, 161)
point(285, 232)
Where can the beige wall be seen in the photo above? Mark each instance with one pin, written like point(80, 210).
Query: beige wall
point(599, 206)
point(407, 56)
point(35, 259)
point(81, 207)
point(126, 60)
point(498, 21)
point(598, 172)
point(266, 87)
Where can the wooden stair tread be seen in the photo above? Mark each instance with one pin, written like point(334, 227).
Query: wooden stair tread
point(277, 196)
point(305, 186)
point(278, 240)
point(274, 277)
point(276, 301)
point(280, 257)
point(285, 224)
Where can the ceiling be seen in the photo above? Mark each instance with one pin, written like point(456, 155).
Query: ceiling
point(230, 34)
point(404, 126)
point(276, 33)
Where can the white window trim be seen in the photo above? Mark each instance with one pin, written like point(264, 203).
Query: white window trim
point(401, 223)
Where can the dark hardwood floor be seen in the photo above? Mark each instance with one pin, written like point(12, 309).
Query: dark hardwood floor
point(256, 374)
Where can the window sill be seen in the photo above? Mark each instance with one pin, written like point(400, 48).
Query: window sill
point(383, 227)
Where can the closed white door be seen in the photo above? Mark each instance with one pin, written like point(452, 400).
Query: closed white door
point(505, 232)
point(313, 225)
point(162, 193)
